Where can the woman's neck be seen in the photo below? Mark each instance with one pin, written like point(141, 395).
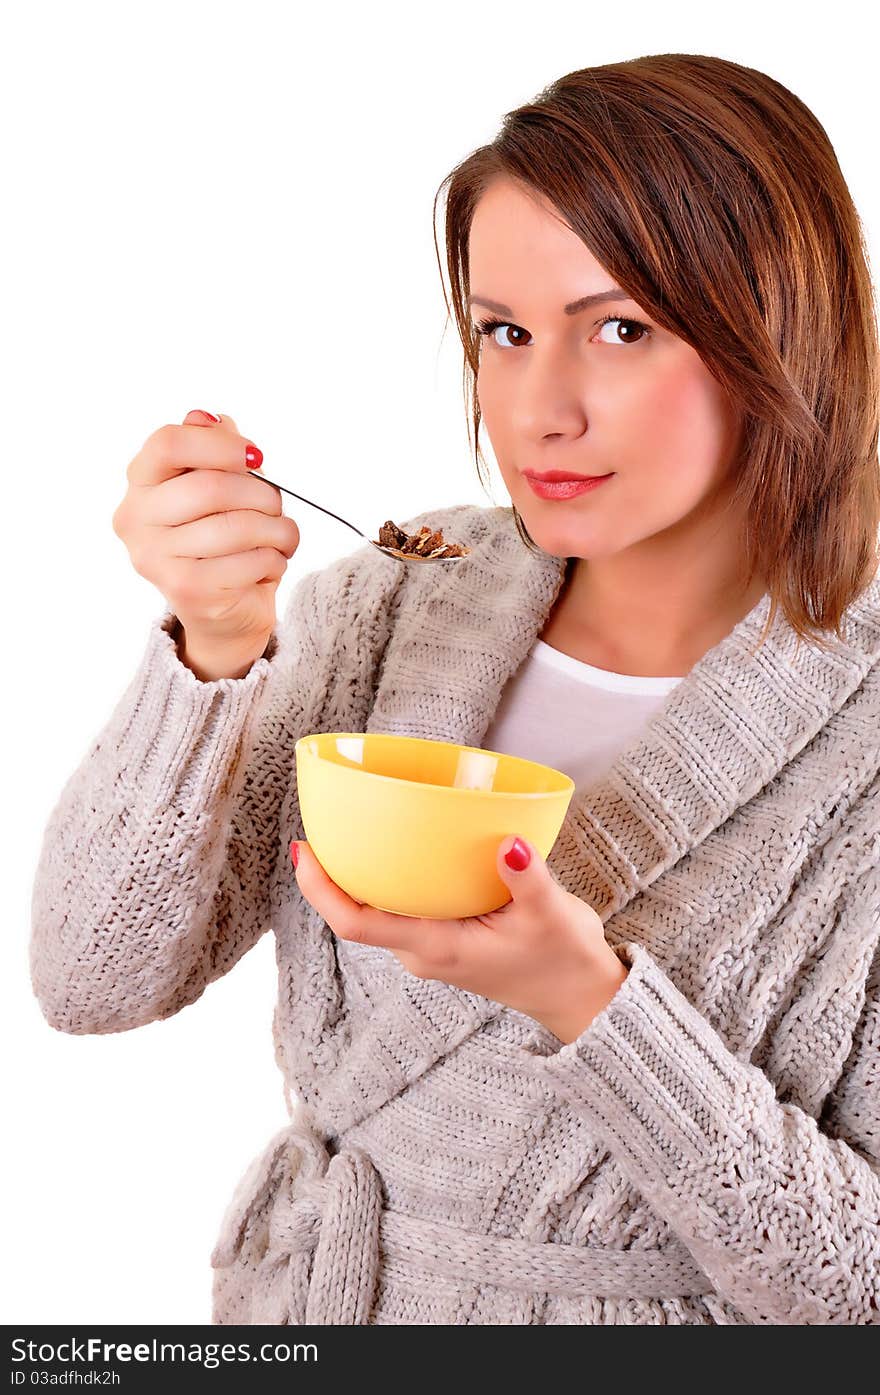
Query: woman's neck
point(656, 628)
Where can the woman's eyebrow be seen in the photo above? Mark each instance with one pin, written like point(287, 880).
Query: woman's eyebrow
point(615, 293)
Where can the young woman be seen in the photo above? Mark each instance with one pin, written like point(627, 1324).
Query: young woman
point(646, 1089)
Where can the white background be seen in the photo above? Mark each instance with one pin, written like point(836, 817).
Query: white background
point(230, 206)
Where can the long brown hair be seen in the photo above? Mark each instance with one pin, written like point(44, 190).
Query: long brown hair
point(713, 196)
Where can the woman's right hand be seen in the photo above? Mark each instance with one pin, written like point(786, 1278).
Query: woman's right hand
point(211, 536)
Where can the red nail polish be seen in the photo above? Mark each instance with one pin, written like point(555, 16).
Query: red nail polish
point(254, 457)
point(518, 857)
point(207, 414)
point(294, 852)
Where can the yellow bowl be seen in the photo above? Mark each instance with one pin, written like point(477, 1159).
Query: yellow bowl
point(413, 826)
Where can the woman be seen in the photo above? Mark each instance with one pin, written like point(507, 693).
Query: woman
point(645, 1090)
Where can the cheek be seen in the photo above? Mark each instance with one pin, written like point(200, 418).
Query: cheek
point(495, 411)
point(485, 395)
point(686, 417)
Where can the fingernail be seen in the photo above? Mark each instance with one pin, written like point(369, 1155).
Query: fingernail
point(207, 414)
point(518, 857)
point(254, 457)
point(294, 852)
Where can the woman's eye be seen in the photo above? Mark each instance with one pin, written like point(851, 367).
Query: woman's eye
point(633, 330)
point(510, 341)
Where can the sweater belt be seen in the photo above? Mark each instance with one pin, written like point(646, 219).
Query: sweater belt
point(333, 1231)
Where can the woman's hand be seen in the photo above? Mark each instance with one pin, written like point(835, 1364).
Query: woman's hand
point(211, 536)
point(544, 953)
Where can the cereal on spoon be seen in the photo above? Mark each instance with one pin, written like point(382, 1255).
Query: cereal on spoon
point(424, 543)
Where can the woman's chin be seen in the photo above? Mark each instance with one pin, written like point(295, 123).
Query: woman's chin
point(560, 538)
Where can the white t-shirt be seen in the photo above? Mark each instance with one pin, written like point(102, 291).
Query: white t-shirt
point(570, 715)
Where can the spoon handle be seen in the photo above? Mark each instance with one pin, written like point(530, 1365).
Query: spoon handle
point(315, 506)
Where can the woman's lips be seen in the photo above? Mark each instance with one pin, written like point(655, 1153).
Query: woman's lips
point(564, 489)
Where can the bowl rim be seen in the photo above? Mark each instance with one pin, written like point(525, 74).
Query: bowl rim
point(566, 788)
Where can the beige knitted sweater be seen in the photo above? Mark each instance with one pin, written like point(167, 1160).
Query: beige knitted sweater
point(707, 1151)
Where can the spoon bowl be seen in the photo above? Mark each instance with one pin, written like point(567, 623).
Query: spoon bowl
point(388, 551)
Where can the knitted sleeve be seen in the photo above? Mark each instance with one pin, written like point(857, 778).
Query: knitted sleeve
point(780, 1210)
point(155, 863)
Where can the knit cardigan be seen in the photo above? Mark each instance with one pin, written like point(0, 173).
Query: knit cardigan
point(707, 1151)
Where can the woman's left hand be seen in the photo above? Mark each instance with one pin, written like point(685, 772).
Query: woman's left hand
point(544, 953)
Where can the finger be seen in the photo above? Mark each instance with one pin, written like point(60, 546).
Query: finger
point(215, 576)
point(226, 534)
point(349, 919)
point(199, 417)
point(203, 493)
point(172, 449)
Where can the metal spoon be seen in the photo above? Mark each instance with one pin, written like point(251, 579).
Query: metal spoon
point(389, 552)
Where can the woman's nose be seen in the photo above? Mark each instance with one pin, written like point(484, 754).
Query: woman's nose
point(551, 395)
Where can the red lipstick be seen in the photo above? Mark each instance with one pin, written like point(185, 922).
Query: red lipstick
point(558, 484)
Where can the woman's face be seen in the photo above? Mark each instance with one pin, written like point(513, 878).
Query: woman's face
point(565, 392)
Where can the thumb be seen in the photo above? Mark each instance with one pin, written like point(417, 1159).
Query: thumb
point(526, 873)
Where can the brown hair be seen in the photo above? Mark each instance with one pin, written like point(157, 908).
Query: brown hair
point(713, 196)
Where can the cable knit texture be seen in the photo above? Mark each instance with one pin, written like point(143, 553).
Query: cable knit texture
point(707, 1151)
